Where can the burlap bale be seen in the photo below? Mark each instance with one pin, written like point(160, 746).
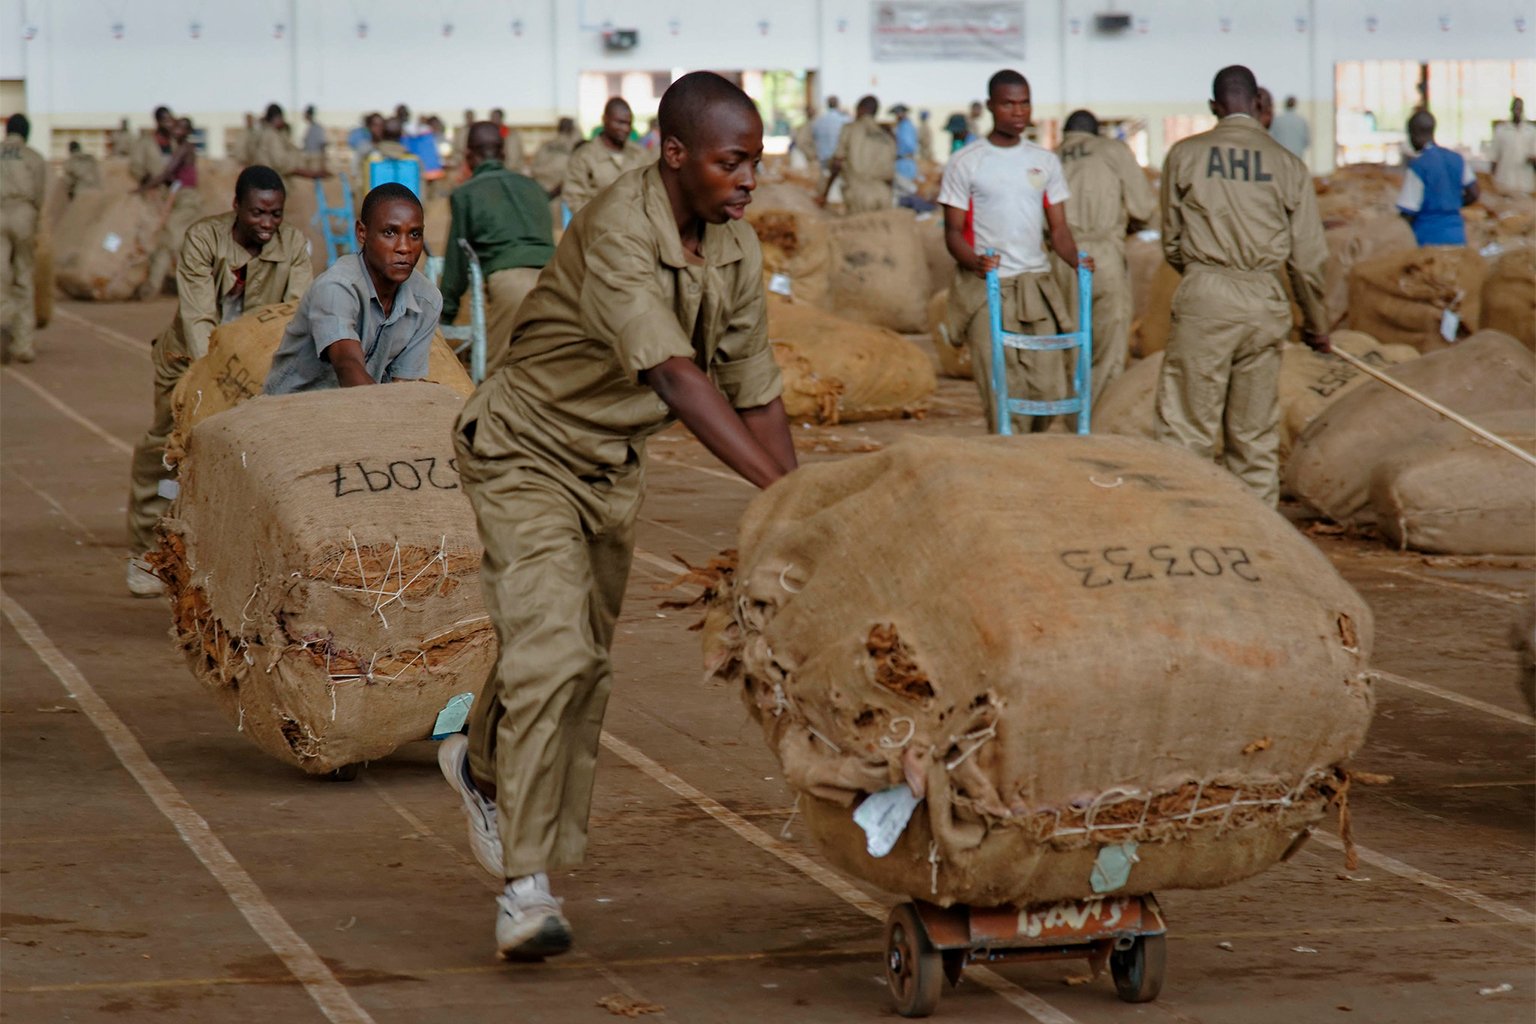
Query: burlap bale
point(438, 218)
point(1509, 295)
point(1352, 242)
point(799, 246)
point(102, 244)
point(941, 265)
point(1502, 219)
point(114, 179)
point(783, 196)
point(970, 663)
point(1310, 382)
point(1128, 405)
point(239, 357)
point(43, 282)
point(1452, 492)
point(1143, 258)
point(879, 275)
point(1333, 458)
point(323, 568)
point(953, 353)
point(838, 371)
point(1150, 328)
point(1399, 297)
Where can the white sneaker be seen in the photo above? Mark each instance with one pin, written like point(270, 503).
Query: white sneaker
point(142, 582)
point(479, 813)
point(529, 924)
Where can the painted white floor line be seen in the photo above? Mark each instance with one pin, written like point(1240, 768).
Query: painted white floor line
point(1498, 908)
point(137, 346)
point(1032, 1005)
point(51, 399)
point(670, 566)
point(667, 460)
point(1455, 698)
point(323, 987)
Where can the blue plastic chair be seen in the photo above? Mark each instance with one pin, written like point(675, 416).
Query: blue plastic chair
point(1082, 339)
point(336, 222)
point(472, 334)
point(401, 172)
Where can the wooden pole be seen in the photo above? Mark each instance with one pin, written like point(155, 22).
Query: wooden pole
point(1459, 420)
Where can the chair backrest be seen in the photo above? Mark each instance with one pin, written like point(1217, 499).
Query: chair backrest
point(404, 171)
point(335, 222)
point(1081, 402)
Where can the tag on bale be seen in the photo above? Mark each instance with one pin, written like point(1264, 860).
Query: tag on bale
point(239, 357)
point(1082, 657)
point(323, 567)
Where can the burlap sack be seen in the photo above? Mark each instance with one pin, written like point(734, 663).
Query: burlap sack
point(1143, 258)
point(953, 353)
point(323, 568)
point(1399, 298)
point(1502, 219)
point(102, 244)
point(239, 357)
point(437, 218)
point(971, 663)
point(879, 275)
point(784, 196)
point(941, 265)
point(799, 246)
point(1310, 382)
point(1128, 405)
point(43, 282)
point(1151, 327)
point(838, 371)
point(1355, 241)
point(1509, 295)
point(1452, 492)
point(1333, 458)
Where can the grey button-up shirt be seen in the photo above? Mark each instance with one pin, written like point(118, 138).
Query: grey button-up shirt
point(342, 304)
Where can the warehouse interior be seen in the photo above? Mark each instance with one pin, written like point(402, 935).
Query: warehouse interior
point(1094, 722)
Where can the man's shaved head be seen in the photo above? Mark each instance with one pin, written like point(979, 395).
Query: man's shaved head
point(615, 104)
point(868, 106)
point(1235, 88)
point(1082, 121)
point(702, 104)
point(392, 128)
point(1421, 129)
point(484, 140)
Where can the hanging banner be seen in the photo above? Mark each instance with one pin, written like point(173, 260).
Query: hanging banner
point(924, 30)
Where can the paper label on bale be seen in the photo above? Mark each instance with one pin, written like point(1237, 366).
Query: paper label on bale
point(239, 358)
point(323, 567)
point(1452, 492)
point(838, 371)
point(1333, 459)
point(1401, 298)
point(970, 664)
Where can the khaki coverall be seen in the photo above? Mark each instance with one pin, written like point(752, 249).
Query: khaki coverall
point(1031, 304)
point(551, 160)
point(146, 159)
point(551, 449)
point(1236, 207)
point(272, 147)
point(594, 167)
point(23, 188)
point(868, 155)
point(81, 171)
point(1109, 191)
point(210, 257)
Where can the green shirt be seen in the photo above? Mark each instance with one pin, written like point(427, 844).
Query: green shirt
point(505, 217)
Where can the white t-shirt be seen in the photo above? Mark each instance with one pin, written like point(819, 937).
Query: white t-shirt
point(1006, 188)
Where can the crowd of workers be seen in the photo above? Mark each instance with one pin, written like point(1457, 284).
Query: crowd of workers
point(651, 309)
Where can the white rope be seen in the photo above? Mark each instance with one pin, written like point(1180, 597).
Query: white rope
point(890, 743)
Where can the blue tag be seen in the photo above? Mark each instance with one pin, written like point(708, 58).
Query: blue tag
point(453, 716)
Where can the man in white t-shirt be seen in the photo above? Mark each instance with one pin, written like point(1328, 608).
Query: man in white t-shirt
point(1514, 152)
point(1011, 191)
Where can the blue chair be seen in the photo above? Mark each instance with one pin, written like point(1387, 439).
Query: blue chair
point(336, 222)
point(1081, 339)
point(471, 335)
point(405, 172)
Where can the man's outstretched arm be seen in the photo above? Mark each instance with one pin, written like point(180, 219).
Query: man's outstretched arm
point(736, 439)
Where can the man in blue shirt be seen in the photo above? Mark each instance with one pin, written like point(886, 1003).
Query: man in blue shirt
point(1435, 188)
point(906, 144)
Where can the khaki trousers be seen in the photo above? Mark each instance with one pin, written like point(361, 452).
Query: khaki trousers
point(557, 558)
point(186, 210)
point(1111, 308)
point(145, 505)
point(505, 291)
point(18, 248)
point(1219, 391)
point(1032, 304)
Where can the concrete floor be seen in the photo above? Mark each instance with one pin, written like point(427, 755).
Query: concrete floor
point(158, 867)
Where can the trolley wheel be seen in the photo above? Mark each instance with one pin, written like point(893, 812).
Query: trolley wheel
point(914, 970)
point(1138, 971)
point(346, 773)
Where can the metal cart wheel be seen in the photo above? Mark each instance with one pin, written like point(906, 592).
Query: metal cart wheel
point(346, 773)
point(1138, 971)
point(914, 970)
